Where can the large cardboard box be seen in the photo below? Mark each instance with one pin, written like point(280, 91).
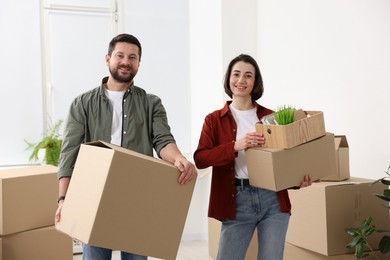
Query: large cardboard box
point(292, 252)
point(214, 228)
point(296, 133)
point(321, 212)
point(277, 169)
point(126, 201)
point(28, 198)
point(342, 160)
point(36, 244)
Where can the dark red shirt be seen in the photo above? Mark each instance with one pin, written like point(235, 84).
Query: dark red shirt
point(216, 149)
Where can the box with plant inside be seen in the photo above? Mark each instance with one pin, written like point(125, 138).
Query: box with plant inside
point(51, 142)
point(294, 127)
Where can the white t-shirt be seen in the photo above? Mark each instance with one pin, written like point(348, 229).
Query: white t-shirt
point(116, 99)
point(246, 121)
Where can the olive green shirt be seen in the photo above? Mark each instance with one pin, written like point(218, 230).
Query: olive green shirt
point(145, 124)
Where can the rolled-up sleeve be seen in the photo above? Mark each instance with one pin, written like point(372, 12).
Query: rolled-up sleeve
point(74, 135)
point(161, 132)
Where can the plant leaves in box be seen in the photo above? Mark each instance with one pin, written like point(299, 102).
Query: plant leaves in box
point(285, 115)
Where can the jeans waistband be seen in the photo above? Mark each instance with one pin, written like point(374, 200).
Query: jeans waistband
point(242, 182)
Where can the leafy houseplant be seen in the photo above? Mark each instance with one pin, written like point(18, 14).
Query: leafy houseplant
point(361, 234)
point(51, 142)
point(284, 115)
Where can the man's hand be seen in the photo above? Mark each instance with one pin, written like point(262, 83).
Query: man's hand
point(187, 170)
point(57, 216)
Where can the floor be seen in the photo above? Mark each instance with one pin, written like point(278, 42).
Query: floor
point(188, 250)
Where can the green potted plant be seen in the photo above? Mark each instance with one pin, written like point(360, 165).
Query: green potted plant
point(51, 142)
point(360, 235)
point(285, 115)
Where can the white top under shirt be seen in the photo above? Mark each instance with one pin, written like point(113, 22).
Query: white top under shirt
point(116, 99)
point(245, 121)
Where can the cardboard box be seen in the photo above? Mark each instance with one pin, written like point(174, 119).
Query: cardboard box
point(278, 169)
point(214, 229)
point(296, 133)
point(125, 201)
point(292, 252)
point(321, 212)
point(43, 244)
point(342, 160)
point(28, 198)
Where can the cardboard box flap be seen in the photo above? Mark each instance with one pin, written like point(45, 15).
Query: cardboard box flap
point(299, 114)
point(337, 142)
point(343, 140)
point(104, 144)
point(350, 181)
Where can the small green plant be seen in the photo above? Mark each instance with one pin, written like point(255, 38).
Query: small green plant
point(284, 115)
point(361, 234)
point(51, 142)
point(384, 244)
point(360, 239)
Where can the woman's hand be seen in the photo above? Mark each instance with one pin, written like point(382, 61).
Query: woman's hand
point(307, 181)
point(249, 140)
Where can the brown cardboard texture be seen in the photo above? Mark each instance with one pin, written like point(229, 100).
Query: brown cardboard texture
point(126, 201)
point(278, 169)
point(28, 198)
point(321, 212)
point(214, 235)
point(43, 244)
point(299, 132)
point(342, 160)
point(292, 252)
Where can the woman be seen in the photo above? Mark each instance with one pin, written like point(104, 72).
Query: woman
point(226, 134)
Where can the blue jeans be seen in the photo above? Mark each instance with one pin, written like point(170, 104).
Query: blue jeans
point(99, 253)
point(256, 208)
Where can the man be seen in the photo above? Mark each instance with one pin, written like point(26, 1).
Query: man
point(123, 114)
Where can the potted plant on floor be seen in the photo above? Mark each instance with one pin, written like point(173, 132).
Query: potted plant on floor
point(51, 142)
point(360, 235)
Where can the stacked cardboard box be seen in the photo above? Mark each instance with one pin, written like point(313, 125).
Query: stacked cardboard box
point(308, 125)
point(321, 213)
point(332, 207)
point(292, 151)
point(133, 203)
point(27, 215)
point(278, 169)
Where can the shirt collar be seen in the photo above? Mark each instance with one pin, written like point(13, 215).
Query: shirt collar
point(225, 110)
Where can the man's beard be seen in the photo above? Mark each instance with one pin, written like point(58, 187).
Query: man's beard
point(115, 74)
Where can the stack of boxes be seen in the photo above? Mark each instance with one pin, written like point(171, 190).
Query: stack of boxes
point(321, 212)
point(27, 209)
